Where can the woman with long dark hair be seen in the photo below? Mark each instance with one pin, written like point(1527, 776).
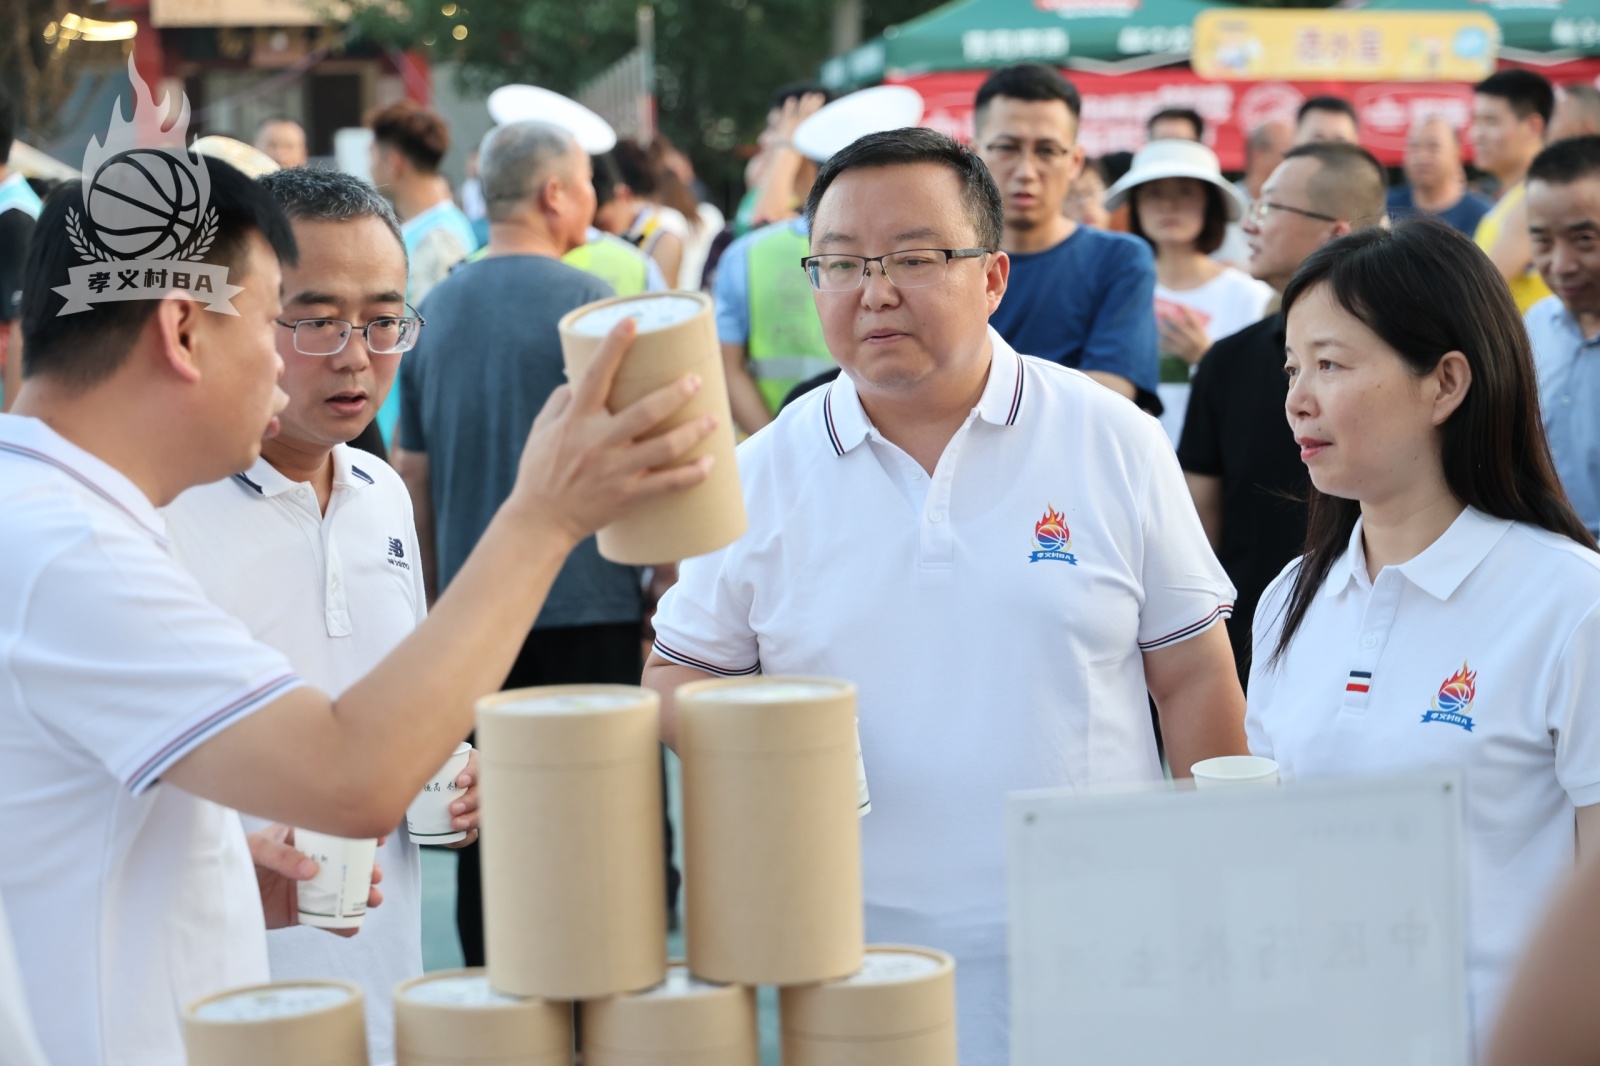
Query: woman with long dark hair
point(1447, 609)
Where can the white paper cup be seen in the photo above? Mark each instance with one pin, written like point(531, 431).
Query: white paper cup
point(337, 897)
point(1228, 770)
point(428, 817)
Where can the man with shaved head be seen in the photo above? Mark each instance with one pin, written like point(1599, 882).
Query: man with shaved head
point(1237, 451)
point(1435, 183)
point(1577, 112)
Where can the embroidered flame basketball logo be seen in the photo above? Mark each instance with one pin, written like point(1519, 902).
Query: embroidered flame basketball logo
point(1052, 538)
point(1455, 699)
point(147, 221)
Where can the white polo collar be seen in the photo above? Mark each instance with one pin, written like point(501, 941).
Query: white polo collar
point(265, 480)
point(847, 424)
point(31, 438)
point(1440, 569)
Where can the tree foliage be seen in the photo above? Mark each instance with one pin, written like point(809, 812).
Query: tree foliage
point(39, 66)
point(717, 61)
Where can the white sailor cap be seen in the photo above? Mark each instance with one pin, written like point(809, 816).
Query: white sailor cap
point(529, 103)
point(849, 118)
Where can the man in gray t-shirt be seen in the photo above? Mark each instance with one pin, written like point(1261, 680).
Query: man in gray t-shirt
point(486, 363)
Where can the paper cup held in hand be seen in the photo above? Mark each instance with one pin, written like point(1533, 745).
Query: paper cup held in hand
point(1228, 770)
point(453, 1018)
point(574, 885)
point(681, 1022)
point(898, 1009)
point(308, 1023)
point(771, 829)
point(336, 898)
point(428, 818)
point(676, 336)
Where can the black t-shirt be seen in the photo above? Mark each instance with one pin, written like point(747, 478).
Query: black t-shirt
point(1236, 430)
point(16, 227)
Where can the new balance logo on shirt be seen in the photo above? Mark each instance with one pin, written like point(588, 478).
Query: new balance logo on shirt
point(397, 554)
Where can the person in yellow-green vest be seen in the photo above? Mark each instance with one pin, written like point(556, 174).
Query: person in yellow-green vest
point(767, 320)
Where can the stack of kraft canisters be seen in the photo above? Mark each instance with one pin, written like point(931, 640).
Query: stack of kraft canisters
point(573, 890)
point(573, 887)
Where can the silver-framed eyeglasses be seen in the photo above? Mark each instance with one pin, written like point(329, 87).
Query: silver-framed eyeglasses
point(385, 335)
point(1258, 212)
point(914, 268)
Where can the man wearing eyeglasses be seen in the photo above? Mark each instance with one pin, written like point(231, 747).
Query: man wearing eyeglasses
point(1078, 296)
point(1237, 452)
point(314, 547)
point(997, 551)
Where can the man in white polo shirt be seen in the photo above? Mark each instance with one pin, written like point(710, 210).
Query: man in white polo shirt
point(314, 547)
point(135, 715)
point(999, 552)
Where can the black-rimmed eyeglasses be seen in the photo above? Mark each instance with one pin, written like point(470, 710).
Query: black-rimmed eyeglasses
point(386, 335)
point(913, 268)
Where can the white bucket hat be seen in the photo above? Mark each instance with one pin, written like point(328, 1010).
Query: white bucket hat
point(849, 118)
point(1176, 159)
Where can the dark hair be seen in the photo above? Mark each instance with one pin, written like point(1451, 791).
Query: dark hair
point(1179, 114)
point(1212, 232)
point(1028, 81)
point(87, 347)
point(1350, 184)
point(1113, 165)
point(1565, 162)
point(1425, 290)
point(607, 176)
point(633, 162)
point(318, 195)
point(8, 124)
point(1526, 92)
point(918, 144)
point(1336, 104)
point(799, 88)
point(413, 131)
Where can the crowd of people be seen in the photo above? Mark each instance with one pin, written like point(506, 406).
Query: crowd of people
point(260, 565)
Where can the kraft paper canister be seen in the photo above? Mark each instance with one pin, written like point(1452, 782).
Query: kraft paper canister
point(308, 1023)
point(574, 886)
point(899, 1009)
point(683, 1021)
point(676, 336)
point(453, 1018)
point(771, 833)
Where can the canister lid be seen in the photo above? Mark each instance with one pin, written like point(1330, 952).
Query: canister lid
point(779, 690)
point(468, 990)
point(682, 1013)
point(562, 726)
point(311, 1023)
point(899, 991)
point(454, 1016)
point(268, 1002)
point(568, 703)
point(650, 313)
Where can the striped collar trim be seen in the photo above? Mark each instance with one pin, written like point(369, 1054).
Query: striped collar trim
point(30, 438)
point(845, 420)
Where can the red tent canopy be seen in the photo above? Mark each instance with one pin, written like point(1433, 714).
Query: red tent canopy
point(1115, 107)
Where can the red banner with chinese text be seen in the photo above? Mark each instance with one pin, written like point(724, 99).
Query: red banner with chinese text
point(1115, 107)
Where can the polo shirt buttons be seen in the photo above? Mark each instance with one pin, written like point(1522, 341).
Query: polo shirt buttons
point(1370, 640)
point(936, 517)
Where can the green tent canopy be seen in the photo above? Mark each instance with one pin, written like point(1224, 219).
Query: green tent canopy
point(1567, 28)
point(1105, 35)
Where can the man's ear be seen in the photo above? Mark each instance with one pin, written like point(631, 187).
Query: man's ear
point(176, 322)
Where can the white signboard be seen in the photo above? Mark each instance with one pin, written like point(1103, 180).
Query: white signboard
point(1300, 925)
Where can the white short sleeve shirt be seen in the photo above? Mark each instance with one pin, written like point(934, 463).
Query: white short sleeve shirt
point(128, 897)
point(992, 616)
point(1479, 653)
point(336, 593)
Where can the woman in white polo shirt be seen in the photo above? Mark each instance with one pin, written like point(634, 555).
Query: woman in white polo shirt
point(1447, 609)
